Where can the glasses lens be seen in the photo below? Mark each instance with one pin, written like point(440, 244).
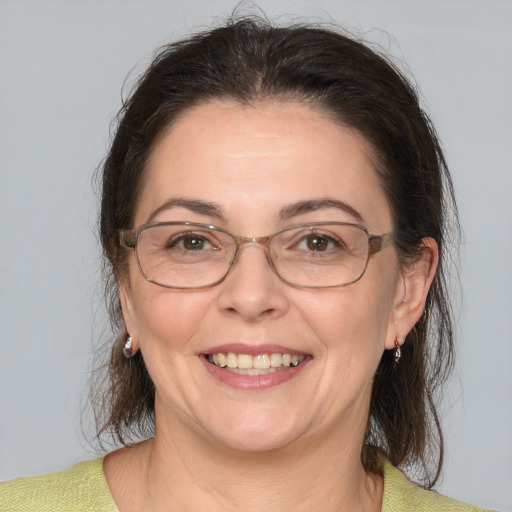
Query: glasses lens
point(184, 255)
point(320, 256)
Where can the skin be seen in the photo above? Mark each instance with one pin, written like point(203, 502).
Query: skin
point(221, 448)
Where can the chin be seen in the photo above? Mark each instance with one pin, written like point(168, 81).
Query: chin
point(255, 434)
point(256, 442)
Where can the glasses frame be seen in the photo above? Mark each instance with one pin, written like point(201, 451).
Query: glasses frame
point(128, 238)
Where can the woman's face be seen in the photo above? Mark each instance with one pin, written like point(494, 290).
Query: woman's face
point(253, 163)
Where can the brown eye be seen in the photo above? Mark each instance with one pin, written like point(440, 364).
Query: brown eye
point(193, 243)
point(190, 242)
point(317, 243)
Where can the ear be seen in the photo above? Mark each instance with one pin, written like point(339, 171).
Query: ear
point(129, 316)
point(412, 290)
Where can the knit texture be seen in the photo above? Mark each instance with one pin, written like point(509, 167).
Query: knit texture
point(402, 495)
point(83, 488)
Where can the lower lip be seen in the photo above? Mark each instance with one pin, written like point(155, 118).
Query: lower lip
point(253, 382)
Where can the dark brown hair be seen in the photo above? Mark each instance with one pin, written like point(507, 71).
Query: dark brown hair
point(249, 60)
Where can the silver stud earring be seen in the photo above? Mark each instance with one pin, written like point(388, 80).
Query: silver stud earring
point(127, 349)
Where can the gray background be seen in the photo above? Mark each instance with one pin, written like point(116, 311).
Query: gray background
point(62, 64)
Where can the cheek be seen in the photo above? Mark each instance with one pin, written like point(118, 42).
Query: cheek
point(348, 316)
point(351, 327)
point(353, 320)
point(163, 316)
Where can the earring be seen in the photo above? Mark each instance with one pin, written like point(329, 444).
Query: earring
point(397, 355)
point(127, 349)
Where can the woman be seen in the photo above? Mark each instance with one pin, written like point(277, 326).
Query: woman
point(273, 216)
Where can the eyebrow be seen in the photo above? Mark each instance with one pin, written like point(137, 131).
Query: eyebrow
point(194, 205)
point(213, 210)
point(313, 205)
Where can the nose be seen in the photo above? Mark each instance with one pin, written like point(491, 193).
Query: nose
point(252, 290)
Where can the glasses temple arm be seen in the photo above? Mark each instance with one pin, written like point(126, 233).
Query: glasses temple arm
point(378, 242)
point(128, 238)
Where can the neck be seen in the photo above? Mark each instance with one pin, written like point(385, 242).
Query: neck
point(194, 474)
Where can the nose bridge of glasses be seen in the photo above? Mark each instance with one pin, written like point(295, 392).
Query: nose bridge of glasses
point(258, 240)
point(263, 241)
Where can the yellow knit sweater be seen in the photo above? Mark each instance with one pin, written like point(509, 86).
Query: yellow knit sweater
point(83, 488)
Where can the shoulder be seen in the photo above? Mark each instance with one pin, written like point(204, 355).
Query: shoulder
point(402, 495)
point(78, 489)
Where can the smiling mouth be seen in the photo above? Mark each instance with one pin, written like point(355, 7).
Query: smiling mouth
point(260, 364)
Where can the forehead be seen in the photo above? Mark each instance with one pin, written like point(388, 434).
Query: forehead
point(258, 159)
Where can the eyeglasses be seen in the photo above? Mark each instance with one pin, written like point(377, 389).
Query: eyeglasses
point(191, 255)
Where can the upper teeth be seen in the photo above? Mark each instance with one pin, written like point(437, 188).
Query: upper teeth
point(260, 361)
